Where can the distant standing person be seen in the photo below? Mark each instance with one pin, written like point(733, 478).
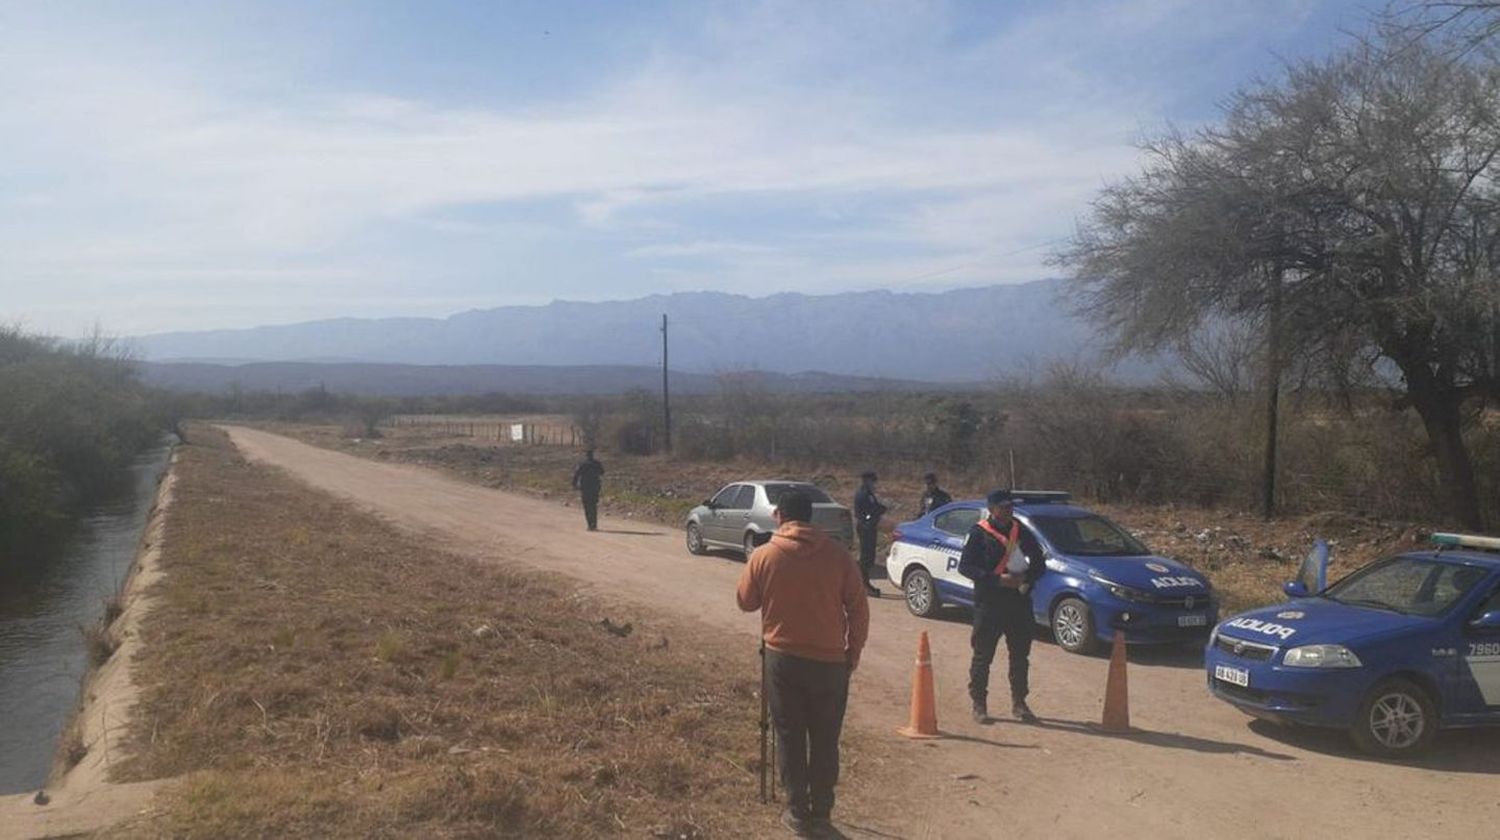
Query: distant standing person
point(1004, 560)
point(587, 479)
point(867, 513)
point(933, 496)
point(814, 621)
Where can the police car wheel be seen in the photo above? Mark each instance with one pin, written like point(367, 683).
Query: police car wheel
point(1073, 626)
point(695, 540)
point(1397, 719)
point(921, 594)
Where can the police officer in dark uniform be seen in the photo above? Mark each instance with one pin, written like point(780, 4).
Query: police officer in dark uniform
point(867, 513)
point(587, 478)
point(933, 496)
point(1004, 560)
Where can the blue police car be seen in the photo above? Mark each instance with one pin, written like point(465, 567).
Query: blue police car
point(1392, 652)
point(1099, 577)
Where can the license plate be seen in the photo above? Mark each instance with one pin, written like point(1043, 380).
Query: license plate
point(1235, 676)
point(1192, 621)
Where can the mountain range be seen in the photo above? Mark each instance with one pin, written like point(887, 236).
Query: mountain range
point(963, 336)
point(392, 380)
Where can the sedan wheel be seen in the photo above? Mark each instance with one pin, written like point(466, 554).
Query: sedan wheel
point(1397, 720)
point(921, 595)
point(1073, 626)
point(695, 539)
point(749, 546)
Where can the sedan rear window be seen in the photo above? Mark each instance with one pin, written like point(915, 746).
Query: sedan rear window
point(745, 499)
point(774, 491)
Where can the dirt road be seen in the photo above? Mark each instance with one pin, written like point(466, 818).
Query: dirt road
point(1195, 768)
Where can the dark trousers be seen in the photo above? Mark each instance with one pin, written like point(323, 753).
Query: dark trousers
point(1009, 615)
point(807, 708)
point(591, 507)
point(868, 536)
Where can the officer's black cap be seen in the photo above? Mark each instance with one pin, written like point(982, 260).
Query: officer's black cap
point(932, 477)
point(868, 475)
point(999, 497)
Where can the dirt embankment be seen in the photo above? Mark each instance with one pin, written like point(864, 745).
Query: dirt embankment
point(82, 794)
point(1246, 556)
point(313, 672)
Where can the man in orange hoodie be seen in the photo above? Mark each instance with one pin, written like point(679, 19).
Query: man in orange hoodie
point(814, 620)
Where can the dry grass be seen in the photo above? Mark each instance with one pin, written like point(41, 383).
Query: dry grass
point(99, 641)
point(113, 607)
point(1246, 557)
point(320, 674)
point(72, 749)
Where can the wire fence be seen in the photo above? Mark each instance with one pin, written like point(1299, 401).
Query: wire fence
point(1374, 463)
point(500, 430)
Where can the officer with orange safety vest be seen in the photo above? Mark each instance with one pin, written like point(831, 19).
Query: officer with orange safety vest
point(1004, 560)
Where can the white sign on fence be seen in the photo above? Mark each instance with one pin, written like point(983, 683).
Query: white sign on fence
point(518, 432)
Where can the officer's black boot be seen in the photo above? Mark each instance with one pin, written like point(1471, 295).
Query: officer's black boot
point(799, 826)
point(981, 710)
point(1022, 712)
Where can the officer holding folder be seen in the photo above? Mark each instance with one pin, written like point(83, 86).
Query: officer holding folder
point(1004, 560)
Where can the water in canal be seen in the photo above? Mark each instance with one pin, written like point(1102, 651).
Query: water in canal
point(44, 602)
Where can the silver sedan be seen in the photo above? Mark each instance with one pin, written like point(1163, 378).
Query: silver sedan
point(738, 517)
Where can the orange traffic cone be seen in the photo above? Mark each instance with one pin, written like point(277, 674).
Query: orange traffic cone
point(1117, 689)
point(923, 702)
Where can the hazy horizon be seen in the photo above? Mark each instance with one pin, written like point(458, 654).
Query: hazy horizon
point(448, 316)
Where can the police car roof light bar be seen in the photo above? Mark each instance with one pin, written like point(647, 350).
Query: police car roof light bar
point(1466, 541)
point(1036, 497)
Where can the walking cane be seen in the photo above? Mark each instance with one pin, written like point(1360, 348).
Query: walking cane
point(767, 738)
point(764, 723)
point(773, 769)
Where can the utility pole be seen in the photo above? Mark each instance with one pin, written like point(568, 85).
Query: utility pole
point(666, 397)
point(1273, 395)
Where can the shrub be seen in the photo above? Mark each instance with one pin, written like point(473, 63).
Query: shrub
point(73, 416)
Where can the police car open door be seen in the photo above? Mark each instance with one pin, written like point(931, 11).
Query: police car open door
point(1314, 571)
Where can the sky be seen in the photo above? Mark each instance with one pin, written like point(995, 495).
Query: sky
point(173, 166)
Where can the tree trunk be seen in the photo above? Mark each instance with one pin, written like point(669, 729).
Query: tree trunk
point(1443, 419)
point(1273, 397)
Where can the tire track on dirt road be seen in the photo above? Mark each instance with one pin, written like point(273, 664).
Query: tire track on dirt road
point(1194, 769)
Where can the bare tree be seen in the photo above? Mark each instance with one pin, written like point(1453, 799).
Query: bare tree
point(1354, 201)
point(1222, 356)
point(588, 417)
point(1463, 26)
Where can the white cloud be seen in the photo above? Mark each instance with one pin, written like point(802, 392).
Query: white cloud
point(700, 248)
point(149, 174)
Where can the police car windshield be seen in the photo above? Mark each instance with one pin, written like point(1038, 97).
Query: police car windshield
point(1408, 585)
point(774, 491)
point(1087, 536)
